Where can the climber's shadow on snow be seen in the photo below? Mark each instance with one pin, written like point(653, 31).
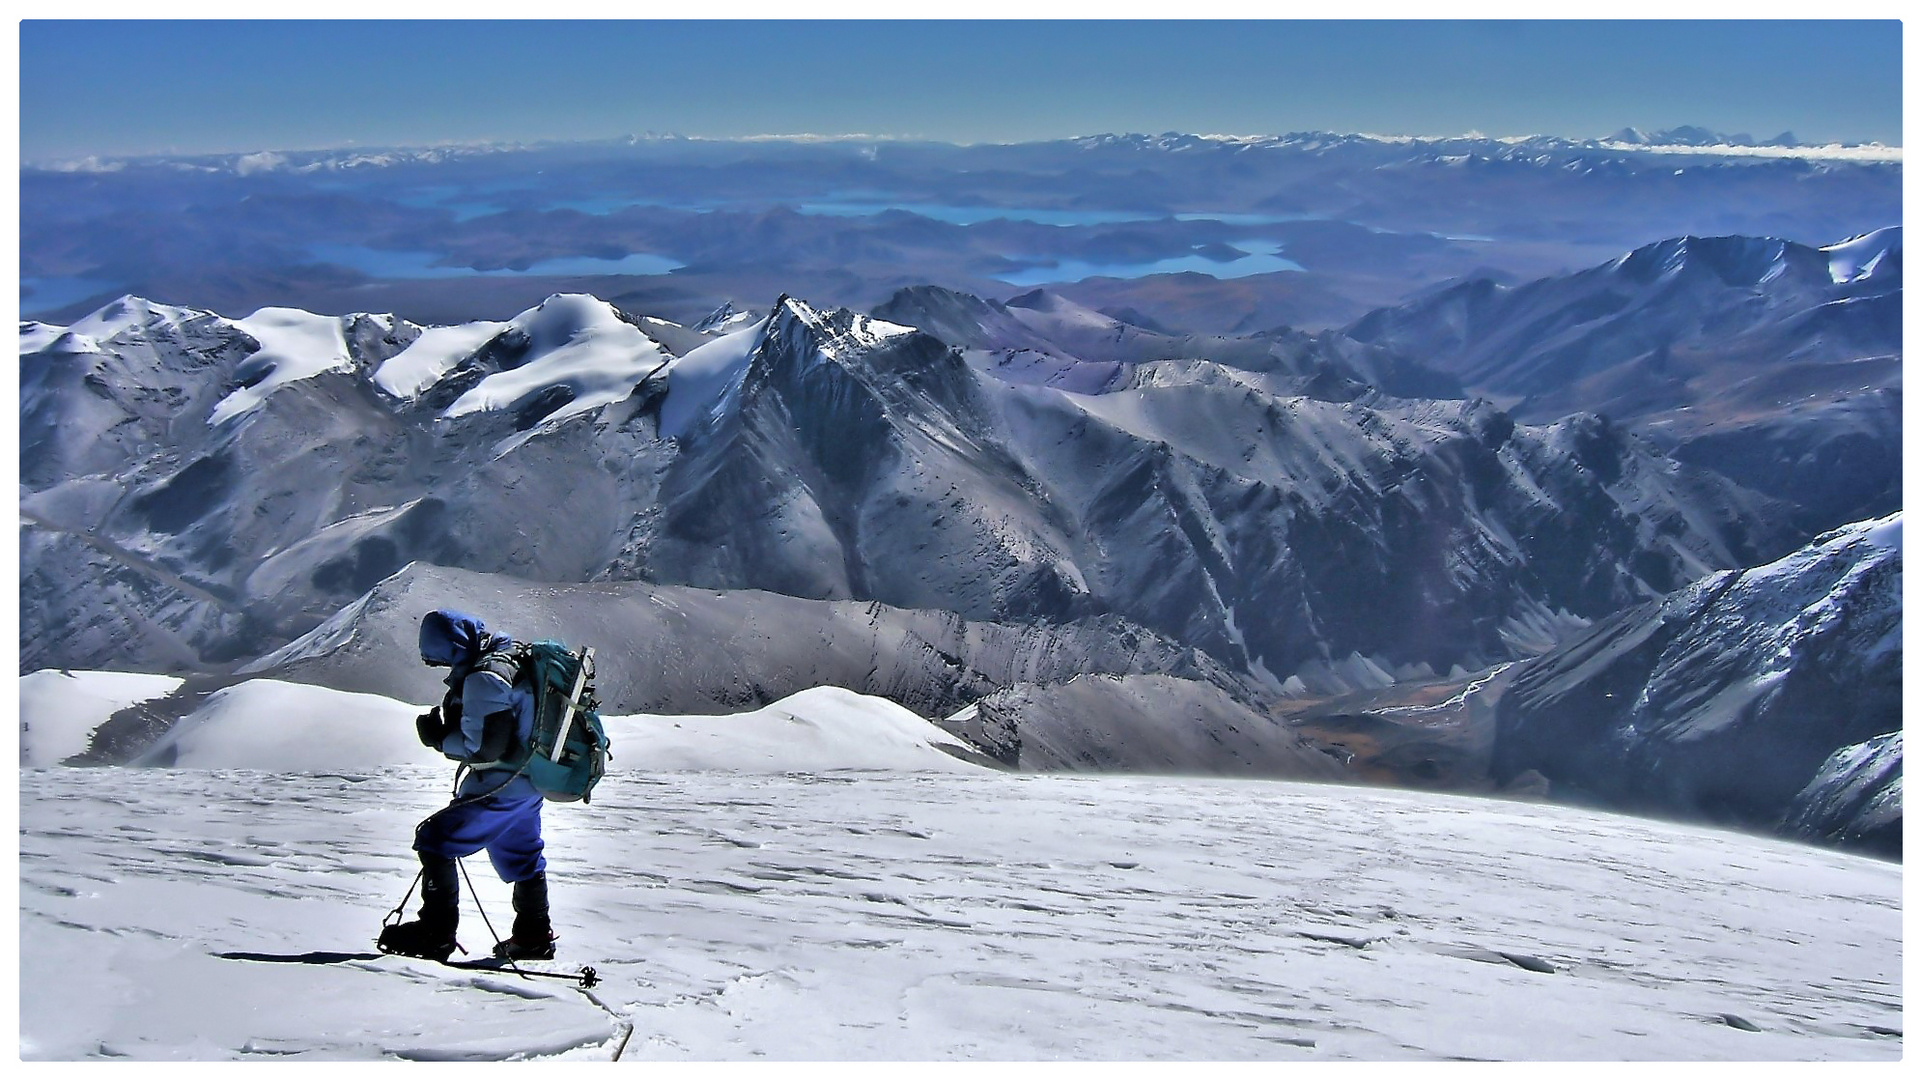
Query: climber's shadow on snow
point(299, 958)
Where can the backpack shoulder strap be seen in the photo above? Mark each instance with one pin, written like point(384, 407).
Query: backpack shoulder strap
point(509, 663)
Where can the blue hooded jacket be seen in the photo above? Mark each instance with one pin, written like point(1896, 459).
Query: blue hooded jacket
point(457, 641)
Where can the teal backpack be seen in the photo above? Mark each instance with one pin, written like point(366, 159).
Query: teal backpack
point(567, 752)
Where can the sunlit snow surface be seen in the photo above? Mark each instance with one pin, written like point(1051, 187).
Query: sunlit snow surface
point(928, 916)
point(438, 350)
point(294, 345)
point(59, 710)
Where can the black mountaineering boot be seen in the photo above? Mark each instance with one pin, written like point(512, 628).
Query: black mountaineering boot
point(430, 937)
point(533, 937)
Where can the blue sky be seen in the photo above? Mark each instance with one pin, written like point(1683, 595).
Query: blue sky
point(114, 88)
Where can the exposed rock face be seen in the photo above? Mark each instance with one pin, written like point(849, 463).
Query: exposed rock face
point(671, 649)
point(1727, 698)
point(1855, 800)
point(1138, 723)
point(1275, 532)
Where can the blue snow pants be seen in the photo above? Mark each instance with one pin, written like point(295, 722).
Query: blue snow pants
point(508, 827)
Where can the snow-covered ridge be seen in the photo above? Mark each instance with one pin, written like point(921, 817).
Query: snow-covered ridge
point(294, 345)
point(572, 345)
point(1859, 258)
point(1680, 141)
point(574, 341)
point(438, 350)
point(35, 336)
point(60, 710)
point(1868, 152)
point(292, 161)
point(281, 726)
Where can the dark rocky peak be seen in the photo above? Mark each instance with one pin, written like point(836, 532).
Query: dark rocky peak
point(1036, 300)
point(725, 318)
point(798, 333)
point(960, 319)
point(840, 363)
point(1734, 261)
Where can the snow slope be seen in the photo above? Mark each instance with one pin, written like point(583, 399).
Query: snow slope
point(268, 724)
point(294, 345)
point(59, 710)
point(815, 730)
point(1860, 257)
point(700, 380)
point(923, 916)
point(284, 726)
point(433, 354)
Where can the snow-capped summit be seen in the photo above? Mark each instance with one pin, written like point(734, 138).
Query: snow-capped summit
point(133, 313)
point(1865, 257)
point(572, 353)
point(294, 345)
point(726, 319)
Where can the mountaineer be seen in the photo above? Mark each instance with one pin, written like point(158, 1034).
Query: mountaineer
point(484, 722)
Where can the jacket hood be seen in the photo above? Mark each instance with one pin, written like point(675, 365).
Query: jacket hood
point(453, 638)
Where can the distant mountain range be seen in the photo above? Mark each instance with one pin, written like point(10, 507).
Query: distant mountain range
point(1775, 363)
point(326, 160)
point(1195, 234)
point(1689, 135)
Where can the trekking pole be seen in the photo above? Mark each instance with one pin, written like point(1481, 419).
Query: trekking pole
point(587, 977)
point(400, 909)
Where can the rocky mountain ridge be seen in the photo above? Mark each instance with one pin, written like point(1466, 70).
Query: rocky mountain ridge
point(1775, 363)
point(1760, 697)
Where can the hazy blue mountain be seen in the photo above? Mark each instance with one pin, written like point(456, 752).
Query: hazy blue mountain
point(1775, 363)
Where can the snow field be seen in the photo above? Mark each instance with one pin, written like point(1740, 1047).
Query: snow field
point(924, 916)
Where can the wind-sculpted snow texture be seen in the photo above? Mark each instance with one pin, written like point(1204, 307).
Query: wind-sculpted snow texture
point(983, 916)
point(840, 457)
point(1727, 698)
